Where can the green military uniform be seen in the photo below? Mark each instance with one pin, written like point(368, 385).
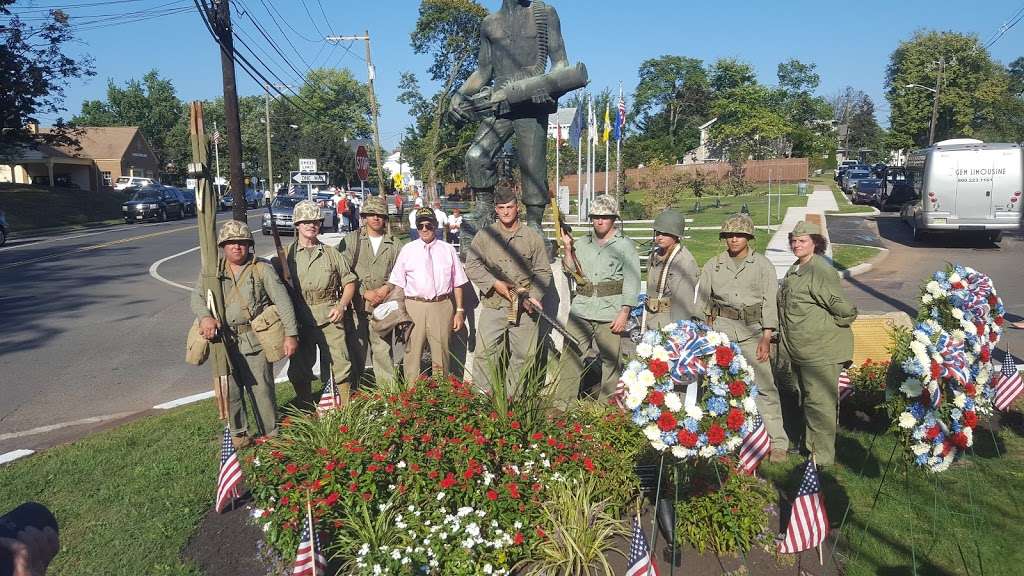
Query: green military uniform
point(611, 280)
point(740, 295)
point(372, 270)
point(815, 321)
point(253, 289)
point(319, 273)
point(520, 259)
point(671, 291)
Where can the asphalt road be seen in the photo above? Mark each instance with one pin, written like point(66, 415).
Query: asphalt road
point(89, 334)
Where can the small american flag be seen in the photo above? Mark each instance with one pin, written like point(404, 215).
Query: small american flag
point(845, 386)
point(329, 399)
point(808, 522)
point(216, 137)
point(756, 445)
point(1008, 384)
point(640, 562)
point(309, 560)
point(230, 475)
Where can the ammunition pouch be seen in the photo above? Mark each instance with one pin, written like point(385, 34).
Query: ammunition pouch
point(655, 305)
point(601, 289)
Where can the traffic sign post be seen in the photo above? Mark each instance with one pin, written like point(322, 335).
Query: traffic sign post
point(362, 163)
point(307, 164)
point(311, 178)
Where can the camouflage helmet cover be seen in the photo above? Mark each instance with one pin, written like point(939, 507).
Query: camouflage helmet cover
point(604, 205)
point(738, 224)
point(236, 231)
point(805, 228)
point(374, 205)
point(670, 222)
point(306, 211)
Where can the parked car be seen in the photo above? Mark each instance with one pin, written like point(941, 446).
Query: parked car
point(188, 200)
point(282, 206)
point(896, 189)
point(133, 182)
point(866, 191)
point(843, 166)
point(851, 176)
point(152, 203)
point(4, 229)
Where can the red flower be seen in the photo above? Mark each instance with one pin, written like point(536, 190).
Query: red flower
point(723, 356)
point(352, 487)
point(658, 367)
point(537, 436)
point(737, 388)
point(343, 429)
point(656, 397)
point(367, 496)
point(492, 495)
point(970, 419)
point(971, 389)
point(291, 468)
point(518, 538)
point(285, 500)
point(666, 422)
point(735, 419)
point(936, 370)
point(515, 425)
point(960, 440)
point(331, 498)
point(588, 464)
point(513, 490)
point(993, 336)
point(986, 354)
point(448, 481)
point(1000, 320)
point(932, 433)
point(715, 435)
point(957, 286)
point(540, 533)
point(980, 327)
point(687, 438)
point(390, 468)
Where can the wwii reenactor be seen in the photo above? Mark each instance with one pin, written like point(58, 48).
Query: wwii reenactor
point(606, 269)
point(738, 289)
point(323, 285)
point(671, 275)
point(249, 286)
point(508, 263)
point(372, 251)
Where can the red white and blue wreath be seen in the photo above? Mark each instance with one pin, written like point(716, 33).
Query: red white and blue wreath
point(690, 391)
point(947, 374)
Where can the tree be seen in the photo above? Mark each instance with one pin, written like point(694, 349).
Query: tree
point(972, 91)
point(36, 71)
point(669, 102)
point(795, 77)
point(750, 122)
point(810, 133)
point(730, 74)
point(854, 113)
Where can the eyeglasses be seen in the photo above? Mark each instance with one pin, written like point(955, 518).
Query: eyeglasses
point(425, 226)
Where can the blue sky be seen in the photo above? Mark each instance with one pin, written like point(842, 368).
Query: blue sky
point(851, 45)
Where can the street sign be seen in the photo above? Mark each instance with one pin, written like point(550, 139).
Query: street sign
point(362, 163)
point(310, 177)
point(307, 164)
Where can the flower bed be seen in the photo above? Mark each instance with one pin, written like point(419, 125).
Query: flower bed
point(865, 407)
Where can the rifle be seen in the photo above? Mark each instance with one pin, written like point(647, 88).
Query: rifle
point(490, 101)
point(284, 269)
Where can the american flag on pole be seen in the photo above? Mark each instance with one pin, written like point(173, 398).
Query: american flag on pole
point(620, 122)
point(808, 522)
point(230, 475)
point(329, 399)
point(309, 560)
point(756, 445)
point(1008, 384)
point(640, 562)
point(216, 137)
point(845, 385)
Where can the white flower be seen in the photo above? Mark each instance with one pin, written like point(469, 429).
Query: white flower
point(628, 378)
point(673, 402)
point(919, 449)
point(659, 445)
point(464, 511)
point(957, 313)
point(918, 348)
point(681, 451)
point(488, 569)
point(749, 405)
point(926, 299)
point(644, 350)
point(255, 461)
point(907, 420)
point(932, 287)
point(660, 353)
point(953, 278)
point(969, 432)
point(958, 335)
point(694, 412)
point(733, 443)
point(715, 338)
point(646, 379)
point(911, 387)
point(652, 432)
point(633, 400)
point(959, 399)
point(708, 452)
point(440, 496)
point(395, 554)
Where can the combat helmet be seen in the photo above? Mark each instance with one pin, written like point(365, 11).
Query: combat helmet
point(738, 224)
point(805, 228)
point(670, 222)
point(604, 205)
point(306, 211)
point(236, 231)
point(374, 205)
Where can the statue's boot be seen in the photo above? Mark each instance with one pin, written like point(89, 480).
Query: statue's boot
point(483, 216)
point(534, 219)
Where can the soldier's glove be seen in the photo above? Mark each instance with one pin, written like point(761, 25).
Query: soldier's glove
point(458, 107)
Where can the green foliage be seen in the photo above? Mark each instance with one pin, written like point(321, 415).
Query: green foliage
point(670, 101)
point(750, 122)
point(727, 518)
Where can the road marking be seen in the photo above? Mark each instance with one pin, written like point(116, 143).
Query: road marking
point(55, 255)
point(184, 401)
point(155, 265)
point(52, 427)
point(14, 455)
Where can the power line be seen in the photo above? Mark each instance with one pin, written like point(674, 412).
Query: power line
point(1010, 23)
point(311, 19)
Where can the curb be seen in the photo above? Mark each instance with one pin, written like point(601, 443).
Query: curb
point(866, 266)
point(874, 212)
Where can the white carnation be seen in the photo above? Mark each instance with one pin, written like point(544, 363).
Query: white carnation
point(749, 405)
point(646, 378)
point(907, 420)
point(969, 432)
point(660, 353)
point(932, 287)
point(628, 377)
point(911, 387)
point(708, 452)
point(644, 350)
point(953, 278)
point(919, 449)
point(694, 412)
point(681, 451)
point(957, 313)
point(926, 299)
point(673, 402)
point(633, 400)
point(652, 432)
point(733, 443)
point(658, 445)
point(959, 399)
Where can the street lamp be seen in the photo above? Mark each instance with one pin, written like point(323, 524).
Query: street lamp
point(935, 98)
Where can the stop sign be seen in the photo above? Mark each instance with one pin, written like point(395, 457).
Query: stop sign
point(362, 163)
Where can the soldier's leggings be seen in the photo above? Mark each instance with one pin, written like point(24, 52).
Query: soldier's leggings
point(257, 374)
point(768, 403)
point(593, 336)
point(330, 340)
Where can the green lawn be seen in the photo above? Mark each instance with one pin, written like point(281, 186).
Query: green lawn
point(756, 203)
point(846, 256)
point(29, 207)
point(845, 206)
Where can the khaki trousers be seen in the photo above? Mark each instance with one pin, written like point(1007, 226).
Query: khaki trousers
point(256, 373)
point(768, 403)
point(819, 396)
point(431, 325)
point(362, 340)
point(497, 341)
point(596, 337)
point(330, 340)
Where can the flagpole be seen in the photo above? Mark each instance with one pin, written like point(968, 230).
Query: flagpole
point(579, 178)
point(558, 146)
point(309, 525)
point(216, 151)
point(606, 145)
point(618, 147)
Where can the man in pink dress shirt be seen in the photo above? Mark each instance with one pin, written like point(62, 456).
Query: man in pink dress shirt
point(428, 270)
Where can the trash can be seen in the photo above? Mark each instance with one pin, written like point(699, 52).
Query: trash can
point(801, 189)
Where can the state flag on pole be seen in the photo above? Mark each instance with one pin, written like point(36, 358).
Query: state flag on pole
point(607, 121)
point(640, 562)
point(309, 560)
point(808, 521)
point(620, 122)
point(329, 398)
point(1008, 384)
point(756, 445)
point(576, 128)
point(845, 385)
point(230, 475)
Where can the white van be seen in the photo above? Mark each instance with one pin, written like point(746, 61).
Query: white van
point(132, 181)
point(965, 185)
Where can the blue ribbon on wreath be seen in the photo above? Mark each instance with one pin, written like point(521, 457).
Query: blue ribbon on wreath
point(954, 361)
point(685, 352)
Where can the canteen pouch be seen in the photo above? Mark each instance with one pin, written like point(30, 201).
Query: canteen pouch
point(197, 348)
point(270, 332)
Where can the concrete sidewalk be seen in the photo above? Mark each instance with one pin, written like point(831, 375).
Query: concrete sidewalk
point(777, 250)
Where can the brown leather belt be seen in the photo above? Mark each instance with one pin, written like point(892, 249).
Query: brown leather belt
point(749, 314)
point(439, 298)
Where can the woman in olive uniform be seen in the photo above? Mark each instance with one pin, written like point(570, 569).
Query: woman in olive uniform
point(815, 320)
point(738, 290)
point(323, 284)
point(671, 275)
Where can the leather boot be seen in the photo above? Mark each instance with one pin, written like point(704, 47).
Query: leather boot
point(241, 441)
point(303, 396)
point(344, 393)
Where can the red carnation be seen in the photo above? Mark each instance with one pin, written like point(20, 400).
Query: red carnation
point(737, 388)
point(999, 320)
point(971, 389)
point(986, 354)
point(993, 336)
point(936, 370)
point(735, 419)
point(656, 397)
point(666, 422)
point(932, 433)
point(980, 327)
point(492, 495)
point(970, 419)
point(723, 356)
point(687, 438)
point(715, 435)
point(957, 286)
point(960, 439)
point(658, 367)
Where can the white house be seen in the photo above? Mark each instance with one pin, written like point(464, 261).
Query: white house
point(562, 118)
point(703, 153)
point(392, 166)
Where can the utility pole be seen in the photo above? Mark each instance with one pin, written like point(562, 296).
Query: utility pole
point(371, 74)
point(232, 124)
point(935, 102)
point(266, 120)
